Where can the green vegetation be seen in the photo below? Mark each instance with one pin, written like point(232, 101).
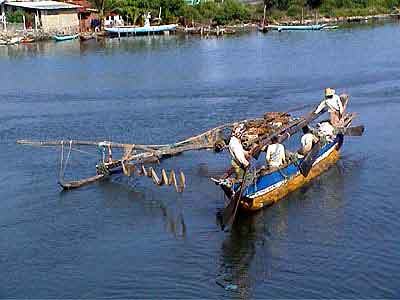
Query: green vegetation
point(229, 11)
point(15, 17)
point(233, 11)
point(330, 8)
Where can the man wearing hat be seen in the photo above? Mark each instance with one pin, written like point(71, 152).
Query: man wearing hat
point(335, 106)
point(239, 161)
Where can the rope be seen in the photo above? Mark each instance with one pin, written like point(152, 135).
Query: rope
point(84, 152)
point(61, 159)
point(64, 165)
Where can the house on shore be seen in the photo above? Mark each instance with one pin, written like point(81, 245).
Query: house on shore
point(50, 16)
point(88, 16)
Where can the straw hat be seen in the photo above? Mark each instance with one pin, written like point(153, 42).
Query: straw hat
point(329, 92)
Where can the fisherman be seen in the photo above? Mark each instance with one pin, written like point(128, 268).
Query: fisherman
point(106, 152)
point(308, 140)
point(325, 129)
point(275, 156)
point(335, 107)
point(239, 155)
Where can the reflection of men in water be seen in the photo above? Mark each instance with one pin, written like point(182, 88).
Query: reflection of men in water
point(239, 161)
point(275, 156)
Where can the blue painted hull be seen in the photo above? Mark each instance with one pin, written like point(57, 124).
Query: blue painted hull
point(138, 30)
point(276, 182)
point(60, 38)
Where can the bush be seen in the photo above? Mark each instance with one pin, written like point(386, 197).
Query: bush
point(328, 8)
point(231, 10)
point(189, 12)
point(15, 17)
point(208, 10)
point(294, 11)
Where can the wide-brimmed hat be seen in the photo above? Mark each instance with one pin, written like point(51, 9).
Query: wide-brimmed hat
point(329, 92)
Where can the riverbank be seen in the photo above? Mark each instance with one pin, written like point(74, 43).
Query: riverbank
point(13, 38)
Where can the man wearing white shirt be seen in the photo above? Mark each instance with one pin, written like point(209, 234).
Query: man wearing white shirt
point(239, 160)
point(275, 156)
point(307, 140)
point(335, 106)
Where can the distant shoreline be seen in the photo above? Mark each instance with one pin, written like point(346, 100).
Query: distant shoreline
point(238, 28)
point(337, 20)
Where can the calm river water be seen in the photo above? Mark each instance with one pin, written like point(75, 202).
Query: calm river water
point(337, 237)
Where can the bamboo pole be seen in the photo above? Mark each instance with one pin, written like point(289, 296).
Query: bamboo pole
point(86, 143)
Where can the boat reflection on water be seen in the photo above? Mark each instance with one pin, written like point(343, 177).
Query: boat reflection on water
point(253, 250)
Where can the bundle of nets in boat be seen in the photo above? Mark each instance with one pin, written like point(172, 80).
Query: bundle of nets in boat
point(266, 126)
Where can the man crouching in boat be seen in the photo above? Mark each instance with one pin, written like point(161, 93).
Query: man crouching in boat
point(308, 140)
point(239, 155)
point(326, 131)
point(275, 155)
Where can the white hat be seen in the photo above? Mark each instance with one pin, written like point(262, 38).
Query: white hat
point(329, 92)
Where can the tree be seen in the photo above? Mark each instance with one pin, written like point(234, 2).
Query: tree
point(104, 7)
point(171, 8)
point(269, 4)
point(314, 4)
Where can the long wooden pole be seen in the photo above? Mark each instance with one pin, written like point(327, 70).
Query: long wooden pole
point(84, 143)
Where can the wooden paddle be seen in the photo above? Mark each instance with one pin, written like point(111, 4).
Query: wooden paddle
point(306, 165)
point(229, 213)
point(354, 131)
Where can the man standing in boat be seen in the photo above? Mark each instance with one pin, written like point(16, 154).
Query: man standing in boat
point(239, 155)
point(335, 107)
point(275, 156)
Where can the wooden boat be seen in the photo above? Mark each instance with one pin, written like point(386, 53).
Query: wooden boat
point(85, 37)
point(140, 30)
point(10, 41)
point(261, 189)
point(263, 186)
point(332, 27)
point(267, 188)
point(296, 27)
point(27, 40)
point(60, 38)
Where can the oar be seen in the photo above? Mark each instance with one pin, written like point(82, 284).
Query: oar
point(354, 131)
point(306, 165)
point(229, 213)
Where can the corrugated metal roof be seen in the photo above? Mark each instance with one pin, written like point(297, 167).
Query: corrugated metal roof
point(43, 5)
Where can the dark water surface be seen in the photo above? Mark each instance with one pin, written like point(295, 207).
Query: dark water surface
point(337, 237)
